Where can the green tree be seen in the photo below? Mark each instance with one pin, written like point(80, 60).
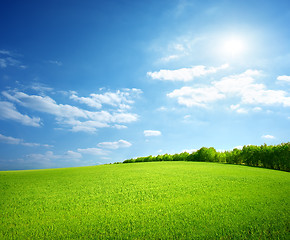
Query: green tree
point(206, 154)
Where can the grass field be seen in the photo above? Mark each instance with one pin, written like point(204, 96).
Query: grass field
point(156, 200)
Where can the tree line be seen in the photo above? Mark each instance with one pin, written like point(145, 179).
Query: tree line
point(272, 156)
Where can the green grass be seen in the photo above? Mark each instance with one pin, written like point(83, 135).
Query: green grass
point(157, 200)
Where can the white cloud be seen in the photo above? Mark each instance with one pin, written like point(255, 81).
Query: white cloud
point(118, 126)
point(121, 99)
point(93, 151)
point(10, 140)
point(169, 58)
point(3, 63)
point(44, 104)
point(174, 51)
point(5, 52)
point(76, 118)
point(268, 137)
point(41, 88)
point(284, 78)
point(242, 111)
point(101, 116)
point(190, 96)
point(244, 86)
point(266, 97)
point(241, 86)
point(238, 109)
point(115, 145)
point(239, 147)
point(124, 117)
point(184, 74)
point(18, 141)
point(235, 107)
point(10, 62)
point(178, 46)
point(257, 109)
point(9, 111)
point(83, 128)
point(41, 160)
point(73, 155)
point(49, 156)
point(189, 150)
point(8, 59)
point(97, 120)
point(162, 109)
point(238, 84)
point(86, 100)
point(90, 126)
point(150, 133)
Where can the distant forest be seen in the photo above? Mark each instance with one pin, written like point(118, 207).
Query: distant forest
point(272, 156)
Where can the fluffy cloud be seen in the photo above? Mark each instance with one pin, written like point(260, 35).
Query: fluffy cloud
point(99, 120)
point(243, 86)
point(75, 118)
point(41, 88)
point(257, 109)
point(121, 99)
point(169, 58)
point(49, 156)
point(238, 108)
point(86, 100)
point(185, 74)
point(238, 84)
point(10, 140)
point(115, 145)
point(150, 133)
point(7, 59)
point(101, 151)
point(9, 111)
point(268, 137)
point(124, 117)
point(180, 47)
point(18, 141)
point(45, 104)
point(90, 126)
point(72, 155)
point(190, 96)
point(284, 78)
point(266, 97)
point(87, 127)
point(118, 126)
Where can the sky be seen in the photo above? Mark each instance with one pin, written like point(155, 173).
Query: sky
point(84, 83)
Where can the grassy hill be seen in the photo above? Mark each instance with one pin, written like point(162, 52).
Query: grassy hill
point(155, 200)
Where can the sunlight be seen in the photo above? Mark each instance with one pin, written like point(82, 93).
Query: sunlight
point(233, 46)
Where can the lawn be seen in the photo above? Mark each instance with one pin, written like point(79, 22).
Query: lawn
point(155, 200)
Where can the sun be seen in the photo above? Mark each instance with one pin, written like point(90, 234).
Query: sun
point(233, 46)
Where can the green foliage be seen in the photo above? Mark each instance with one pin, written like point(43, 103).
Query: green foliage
point(157, 200)
point(274, 157)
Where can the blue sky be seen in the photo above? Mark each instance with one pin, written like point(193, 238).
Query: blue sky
point(95, 82)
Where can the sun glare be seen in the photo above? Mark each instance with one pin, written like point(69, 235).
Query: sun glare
point(233, 46)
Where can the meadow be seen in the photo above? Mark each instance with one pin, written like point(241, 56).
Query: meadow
point(153, 200)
